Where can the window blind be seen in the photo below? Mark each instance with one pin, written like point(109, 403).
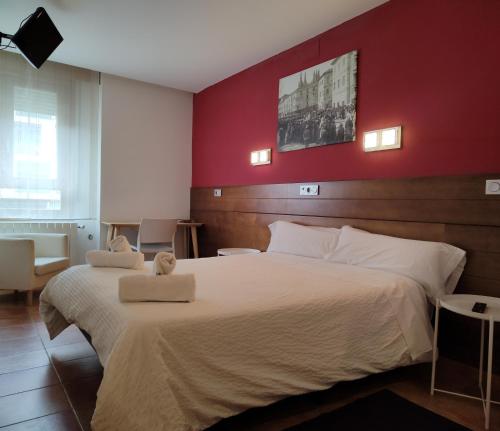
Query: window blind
point(48, 140)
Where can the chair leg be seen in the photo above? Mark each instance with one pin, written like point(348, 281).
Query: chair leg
point(29, 298)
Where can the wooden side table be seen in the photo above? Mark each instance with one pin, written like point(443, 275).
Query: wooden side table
point(462, 304)
point(193, 226)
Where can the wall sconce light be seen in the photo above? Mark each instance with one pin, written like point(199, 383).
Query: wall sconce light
point(383, 139)
point(260, 157)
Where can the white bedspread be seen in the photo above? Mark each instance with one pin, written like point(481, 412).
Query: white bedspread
point(262, 327)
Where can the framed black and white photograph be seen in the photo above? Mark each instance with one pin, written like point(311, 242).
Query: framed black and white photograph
point(317, 106)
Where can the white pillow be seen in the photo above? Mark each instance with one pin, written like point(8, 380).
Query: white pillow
point(309, 241)
point(452, 281)
point(435, 265)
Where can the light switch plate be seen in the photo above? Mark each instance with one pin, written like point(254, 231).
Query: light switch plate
point(309, 190)
point(492, 187)
point(217, 193)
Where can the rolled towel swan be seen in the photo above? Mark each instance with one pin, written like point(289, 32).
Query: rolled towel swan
point(149, 287)
point(120, 244)
point(164, 263)
point(101, 258)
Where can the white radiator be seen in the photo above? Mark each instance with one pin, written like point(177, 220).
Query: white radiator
point(68, 228)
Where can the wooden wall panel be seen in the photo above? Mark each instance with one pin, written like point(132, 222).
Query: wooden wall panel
point(448, 209)
point(444, 188)
point(459, 211)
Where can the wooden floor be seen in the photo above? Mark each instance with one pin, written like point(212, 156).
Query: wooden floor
point(52, 385)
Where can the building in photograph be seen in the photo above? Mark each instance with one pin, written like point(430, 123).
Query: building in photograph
point(317, 106)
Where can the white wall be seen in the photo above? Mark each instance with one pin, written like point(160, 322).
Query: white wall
point(145, 150)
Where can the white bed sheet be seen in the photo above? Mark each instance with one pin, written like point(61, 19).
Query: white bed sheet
point(263, 327)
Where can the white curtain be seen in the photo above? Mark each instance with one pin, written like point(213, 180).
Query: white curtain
point(48, 140)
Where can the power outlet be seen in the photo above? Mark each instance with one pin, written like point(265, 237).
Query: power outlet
point(309, 190)
point(492, 187)
point(217, 193)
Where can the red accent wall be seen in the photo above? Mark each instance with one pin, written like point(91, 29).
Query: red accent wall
point(432, 66)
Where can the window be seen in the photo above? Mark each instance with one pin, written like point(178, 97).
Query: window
point(35, 146)
point(48, 140)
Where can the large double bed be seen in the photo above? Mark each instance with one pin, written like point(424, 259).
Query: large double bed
point(263, 327)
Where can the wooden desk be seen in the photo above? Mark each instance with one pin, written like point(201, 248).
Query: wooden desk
point(194, 234)
point(114, 229)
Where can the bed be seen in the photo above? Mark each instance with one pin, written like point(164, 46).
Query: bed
point(263, 327)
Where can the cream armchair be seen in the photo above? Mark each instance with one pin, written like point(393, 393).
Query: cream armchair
point(29, 260)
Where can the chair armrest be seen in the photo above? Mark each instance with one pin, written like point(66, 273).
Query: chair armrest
point(17, 264)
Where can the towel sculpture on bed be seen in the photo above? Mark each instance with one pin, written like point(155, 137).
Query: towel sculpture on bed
point(120, 244)
point(120, 256)
point(161, 286)
point(164, 263)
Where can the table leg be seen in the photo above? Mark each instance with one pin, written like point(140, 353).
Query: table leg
point(109, 234)
point(490, 363)
point(29, 298)
point(194, 239)
point(185, 235)
point(434, 347)
point(481, 357)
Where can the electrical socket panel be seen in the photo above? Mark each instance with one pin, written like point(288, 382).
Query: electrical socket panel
point(217, 193)
point(492, 187)
point(309, 189)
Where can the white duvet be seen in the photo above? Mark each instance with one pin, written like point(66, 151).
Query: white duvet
point(263, 327)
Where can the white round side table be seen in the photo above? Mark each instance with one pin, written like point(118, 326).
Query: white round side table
point(462, 304)
point(233, 251)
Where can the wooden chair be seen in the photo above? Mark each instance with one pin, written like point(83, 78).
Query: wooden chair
point(29, 260)
point(156, 235)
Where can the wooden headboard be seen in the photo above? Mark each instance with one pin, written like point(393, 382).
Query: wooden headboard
point(452, 209)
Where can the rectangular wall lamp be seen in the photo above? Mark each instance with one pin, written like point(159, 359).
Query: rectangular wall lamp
point(260, 157)
point(383, 139)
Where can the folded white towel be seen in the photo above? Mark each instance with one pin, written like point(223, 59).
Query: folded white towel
point(120, 244)
point(164, 263)
point(166, 288)
point(115, 259)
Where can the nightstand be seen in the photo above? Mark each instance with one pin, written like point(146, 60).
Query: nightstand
point(232, 251)
point(462, 304)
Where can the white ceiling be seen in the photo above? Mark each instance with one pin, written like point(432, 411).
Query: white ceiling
point(184, 44)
